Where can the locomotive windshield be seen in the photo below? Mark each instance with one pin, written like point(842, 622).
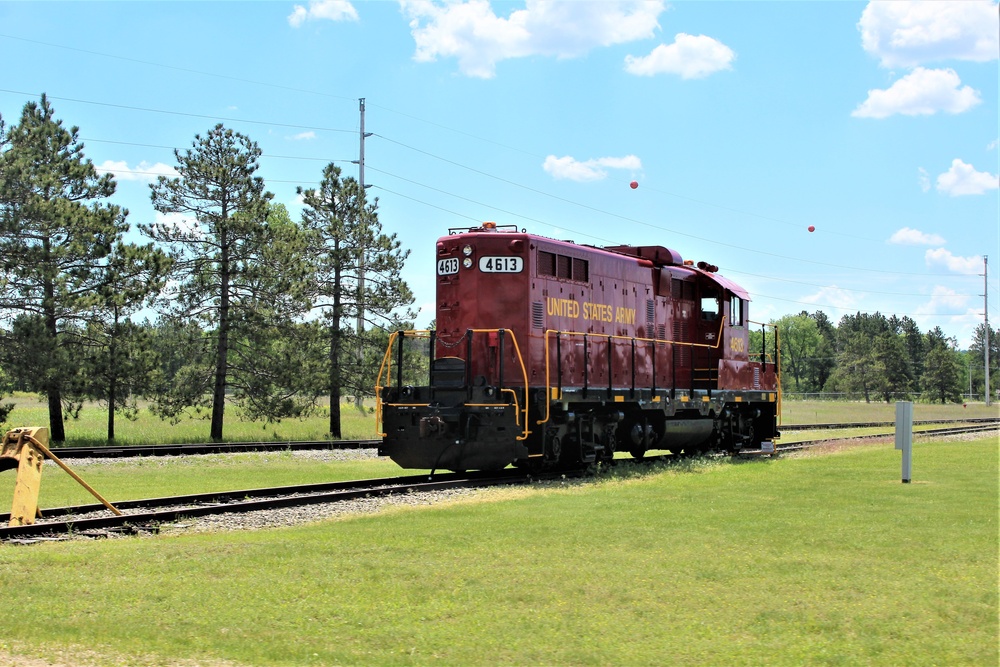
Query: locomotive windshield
point(710, 306)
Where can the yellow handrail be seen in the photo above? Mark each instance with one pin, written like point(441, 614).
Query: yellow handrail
point(777, 371)
point(386, 369)
point(548, 375)
point(524, 375)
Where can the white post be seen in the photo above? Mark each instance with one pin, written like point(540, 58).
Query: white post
point(904, 436)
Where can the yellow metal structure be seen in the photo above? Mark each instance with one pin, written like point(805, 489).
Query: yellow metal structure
point(26, 449)
point(18, 452)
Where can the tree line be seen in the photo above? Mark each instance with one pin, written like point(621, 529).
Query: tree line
point(876, 357)
point(252, 307)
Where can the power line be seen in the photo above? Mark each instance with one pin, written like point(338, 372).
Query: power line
point(178, 69)
point(175, 148)
point(846, 289)
point(503, 180)
point(181, 113)
point(406, 115)
point(641, 222)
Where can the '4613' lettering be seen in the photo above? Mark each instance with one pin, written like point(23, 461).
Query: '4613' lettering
point(501, 264)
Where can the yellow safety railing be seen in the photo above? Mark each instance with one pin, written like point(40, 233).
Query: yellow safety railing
point(610, 337)
point(773, 360)
point(386, 370)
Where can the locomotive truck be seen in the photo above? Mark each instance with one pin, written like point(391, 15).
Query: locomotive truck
point(548, 353)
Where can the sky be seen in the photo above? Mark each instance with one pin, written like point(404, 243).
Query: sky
point(744, 124)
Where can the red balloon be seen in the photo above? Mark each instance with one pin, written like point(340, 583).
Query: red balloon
point(811, 228)
point(634, 184)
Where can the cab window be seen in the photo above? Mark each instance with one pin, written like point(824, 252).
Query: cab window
point(710, 305)
point(736, 313)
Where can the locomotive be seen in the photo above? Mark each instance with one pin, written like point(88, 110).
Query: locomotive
point(547, 353)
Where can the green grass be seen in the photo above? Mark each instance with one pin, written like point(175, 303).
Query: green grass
point(821, 560)
point(838, 412)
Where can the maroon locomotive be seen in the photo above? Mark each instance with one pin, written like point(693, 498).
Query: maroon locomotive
point(551, 353)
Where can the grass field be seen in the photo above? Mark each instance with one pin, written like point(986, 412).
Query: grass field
point(91, 427)
point(839, 412)
point(823, 560)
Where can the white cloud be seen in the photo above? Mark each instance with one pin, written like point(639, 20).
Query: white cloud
point(963, 179)
point(569, 168)
point(331, 10)
point(143, 171)
point(833, 296)
point(945, 305)
point(924, 179)
point(690, 57)
point(303, 136)
point(992, 146)
point(921, 92)
point(906, 34)
point(907, 236)
point(472, 32)
point(944, 300)
point(943, 257)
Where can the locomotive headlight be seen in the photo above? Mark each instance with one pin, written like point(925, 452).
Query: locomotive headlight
point(467, 262)
point(467, 250)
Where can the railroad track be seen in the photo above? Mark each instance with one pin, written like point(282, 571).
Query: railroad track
point(991, 425)
point(147, 515)
point(207, 448)
point(295, 445)
point(847, 425)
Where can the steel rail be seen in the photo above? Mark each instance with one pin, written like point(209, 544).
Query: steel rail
point(173, 508)
point(957, 430)
point(846, 425)
point(207, 448)
point(221, 502)
point(116, 451)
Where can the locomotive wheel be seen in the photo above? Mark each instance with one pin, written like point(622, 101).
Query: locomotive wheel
point(637, 452)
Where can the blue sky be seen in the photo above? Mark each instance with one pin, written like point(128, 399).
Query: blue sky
point(744, 123)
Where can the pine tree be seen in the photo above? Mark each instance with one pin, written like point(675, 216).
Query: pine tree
point(942, 373)
point(55, 238)
point(119, 360)
point(347, 238)
point(237, 274)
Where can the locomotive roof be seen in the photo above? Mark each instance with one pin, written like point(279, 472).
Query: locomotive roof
point(658, 256)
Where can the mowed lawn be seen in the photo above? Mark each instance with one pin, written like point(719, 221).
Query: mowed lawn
point(825, 559)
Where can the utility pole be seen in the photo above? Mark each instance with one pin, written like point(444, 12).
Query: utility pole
point(986, 319)
point(363, 249)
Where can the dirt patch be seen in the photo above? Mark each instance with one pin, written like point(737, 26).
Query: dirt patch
point(88, 658)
